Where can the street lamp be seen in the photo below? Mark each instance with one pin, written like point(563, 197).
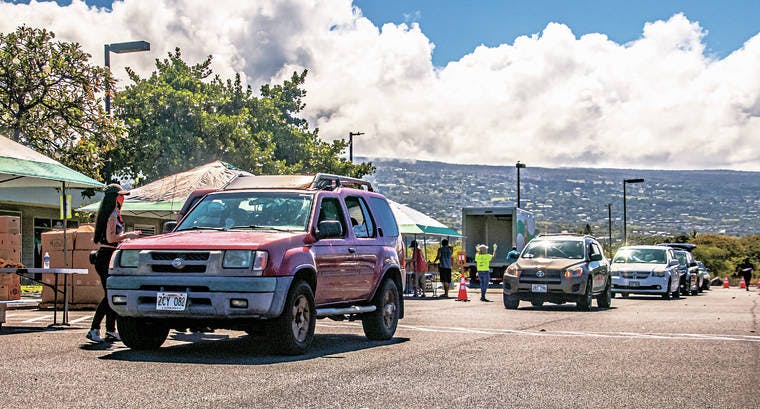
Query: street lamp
point(121, 48)
point(625, 214)
point(351, 144)
point(519, 166)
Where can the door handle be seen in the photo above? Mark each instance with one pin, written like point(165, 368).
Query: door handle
point(351, 250)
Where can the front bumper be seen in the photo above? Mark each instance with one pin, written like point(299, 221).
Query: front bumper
point(649, 285)
point(566, 289)
point(208, 297)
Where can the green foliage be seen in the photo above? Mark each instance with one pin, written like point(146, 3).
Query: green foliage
point(182, 116)
point(48, 99)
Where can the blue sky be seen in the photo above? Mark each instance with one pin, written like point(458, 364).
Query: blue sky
point(660, 78)
point(457, 27)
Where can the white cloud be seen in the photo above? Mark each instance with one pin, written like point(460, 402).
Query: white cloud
point(548, 99)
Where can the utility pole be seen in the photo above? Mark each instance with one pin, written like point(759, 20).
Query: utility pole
point(351, 144)
point(519, 166)
point(609, 226)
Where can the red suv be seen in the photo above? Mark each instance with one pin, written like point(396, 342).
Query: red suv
point(266, 253)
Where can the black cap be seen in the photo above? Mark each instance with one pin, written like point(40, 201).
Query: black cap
point(115, 189)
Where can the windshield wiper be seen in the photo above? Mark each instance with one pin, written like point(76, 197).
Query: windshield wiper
point(202, 228)
point(257, 227)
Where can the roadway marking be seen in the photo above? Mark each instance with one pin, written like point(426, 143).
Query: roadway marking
point(44, 317)
point(549, 333)
point(85, 318)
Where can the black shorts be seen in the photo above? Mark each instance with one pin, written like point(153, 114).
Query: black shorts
point(445, 274)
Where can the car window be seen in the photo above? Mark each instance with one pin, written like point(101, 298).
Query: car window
point(361, 222)
point(595, 249)
point(572, 249)
point(682, 258)
point(384, 216)
point(651, 256)
point(330, 209)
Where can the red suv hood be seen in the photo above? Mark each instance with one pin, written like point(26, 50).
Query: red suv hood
point(210, 240)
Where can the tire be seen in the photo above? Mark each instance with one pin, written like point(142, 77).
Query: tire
point(668, 293)
point(142, 334)
point(537, 303)
point(294, 328)
point(380, 325)
point(511, 302)
point(604, 300)
point(584, 302)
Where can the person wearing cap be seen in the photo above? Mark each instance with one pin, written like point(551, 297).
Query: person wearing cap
point(483, 264)
point(513, 255)
point(109, 232)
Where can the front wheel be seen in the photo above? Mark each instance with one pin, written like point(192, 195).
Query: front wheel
point(511, 302)
point(584, 302)
point(604, 300)
point(668, 295)
point(142, 334)
point(294, 328)
point(380, 325)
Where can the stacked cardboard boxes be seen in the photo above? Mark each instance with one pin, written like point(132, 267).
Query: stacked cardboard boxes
point(10, 251)
point(84, 290)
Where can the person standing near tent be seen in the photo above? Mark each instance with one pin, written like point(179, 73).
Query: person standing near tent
point(512, 256)
point(483, 263)
point(444, 268)
point(420, 268)
point(109, 232)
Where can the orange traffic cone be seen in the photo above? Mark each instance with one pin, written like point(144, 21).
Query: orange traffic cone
point(758, 283)
point(725, 282)
point(462, 296)
point(743, 284)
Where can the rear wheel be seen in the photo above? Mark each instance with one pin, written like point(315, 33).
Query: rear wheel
point(584, 302)
point(604, 300)
point(142, 334)
point(294, 328)
point(380, 325)
point(511, 302)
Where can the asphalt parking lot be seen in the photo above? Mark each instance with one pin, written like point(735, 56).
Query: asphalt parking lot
point(701, 351)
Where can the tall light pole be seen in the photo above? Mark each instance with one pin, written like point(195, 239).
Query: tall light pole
point(121, 48)
point(609, 225)
point(519, 166)
point(625, 214)
point(351, 144)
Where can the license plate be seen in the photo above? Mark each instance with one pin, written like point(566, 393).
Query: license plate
point(538, 288)
point(633, 283)
point(171, 301)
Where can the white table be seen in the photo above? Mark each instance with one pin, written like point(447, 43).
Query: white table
point(56, 271)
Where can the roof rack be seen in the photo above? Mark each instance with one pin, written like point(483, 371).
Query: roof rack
point(565, 234)
point(320, 181)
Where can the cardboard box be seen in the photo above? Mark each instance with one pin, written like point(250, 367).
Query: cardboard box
point(48, 294)
point(53, 240)
point(10, 291)
point(13, 255)
point(88, 294)
point(84, 236)
point(10, 241)
point(10, 224)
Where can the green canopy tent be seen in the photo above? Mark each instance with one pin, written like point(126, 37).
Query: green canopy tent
point(163, 198)
point(23, 167)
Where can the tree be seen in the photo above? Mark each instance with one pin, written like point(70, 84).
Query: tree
point(183, 116)
point(48, 99)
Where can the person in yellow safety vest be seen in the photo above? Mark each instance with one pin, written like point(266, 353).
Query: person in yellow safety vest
point(483, 264)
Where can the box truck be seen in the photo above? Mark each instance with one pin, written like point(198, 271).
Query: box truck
point(503, 226)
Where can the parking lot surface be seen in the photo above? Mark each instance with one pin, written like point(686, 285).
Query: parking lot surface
point(701, 351)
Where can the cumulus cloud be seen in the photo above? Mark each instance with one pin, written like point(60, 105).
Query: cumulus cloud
point(548, 99)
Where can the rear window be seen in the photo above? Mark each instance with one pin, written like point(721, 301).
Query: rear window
point(384, 216)
point(652, 256)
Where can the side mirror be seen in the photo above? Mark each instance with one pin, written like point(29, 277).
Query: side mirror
point(169, 226)
point(596, 257)
point(328, 229)
point(693, 264)
point(673, 263)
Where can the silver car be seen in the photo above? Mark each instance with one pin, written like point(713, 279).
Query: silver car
point(645, 270)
